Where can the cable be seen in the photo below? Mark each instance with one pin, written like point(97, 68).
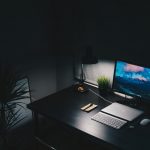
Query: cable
point(100, 96)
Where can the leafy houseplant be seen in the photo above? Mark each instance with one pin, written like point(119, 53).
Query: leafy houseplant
point(103, 84)
point(10, 92)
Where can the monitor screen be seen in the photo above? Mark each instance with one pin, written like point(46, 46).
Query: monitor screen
point(132, 80)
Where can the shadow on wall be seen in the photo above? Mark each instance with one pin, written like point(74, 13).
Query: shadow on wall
point(64, 72)
point(42, 78)
point(50, 74)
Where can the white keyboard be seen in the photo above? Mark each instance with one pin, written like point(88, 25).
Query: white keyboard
point(109, 120)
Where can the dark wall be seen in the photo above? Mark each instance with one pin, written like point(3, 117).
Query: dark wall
point(28, 40)
point(26, 30)
point(38, 33)
point(64, 72)
point(115, 29)
point(123, 31)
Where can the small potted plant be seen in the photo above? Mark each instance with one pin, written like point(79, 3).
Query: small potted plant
point(103, 84)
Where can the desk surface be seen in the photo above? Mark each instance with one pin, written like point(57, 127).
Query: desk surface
point(64, 106)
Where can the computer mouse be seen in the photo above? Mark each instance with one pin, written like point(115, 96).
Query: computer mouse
point(145, 122)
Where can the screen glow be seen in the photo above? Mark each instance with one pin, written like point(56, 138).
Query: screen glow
point(132, 80)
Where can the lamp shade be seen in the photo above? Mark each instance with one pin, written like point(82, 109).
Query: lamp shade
point(89, 58)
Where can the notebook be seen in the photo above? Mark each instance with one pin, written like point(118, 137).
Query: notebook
point(122, 111)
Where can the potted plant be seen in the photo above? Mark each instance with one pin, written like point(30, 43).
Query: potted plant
point(10, 92)
point(103, 84)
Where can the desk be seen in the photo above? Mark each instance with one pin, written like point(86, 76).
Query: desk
point(64, 107)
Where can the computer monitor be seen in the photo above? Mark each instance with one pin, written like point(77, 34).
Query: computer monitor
point(132, 80)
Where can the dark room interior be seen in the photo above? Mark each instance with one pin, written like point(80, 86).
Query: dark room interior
point(47, 41)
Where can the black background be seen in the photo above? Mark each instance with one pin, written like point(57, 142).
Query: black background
point(114, 29)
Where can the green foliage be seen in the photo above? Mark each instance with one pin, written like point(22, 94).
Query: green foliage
point(11, 90)
point(103, 82)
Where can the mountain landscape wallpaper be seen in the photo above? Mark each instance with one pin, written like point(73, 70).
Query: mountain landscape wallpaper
point(132, 80)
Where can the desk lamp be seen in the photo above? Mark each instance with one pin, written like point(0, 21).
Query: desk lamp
point(89, 58)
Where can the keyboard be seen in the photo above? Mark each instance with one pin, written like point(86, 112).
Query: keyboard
point(109, 120)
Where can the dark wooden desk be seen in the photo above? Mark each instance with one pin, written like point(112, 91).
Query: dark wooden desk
point(64, 107)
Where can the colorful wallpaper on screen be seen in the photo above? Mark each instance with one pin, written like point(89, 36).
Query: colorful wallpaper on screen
point(132, 79)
